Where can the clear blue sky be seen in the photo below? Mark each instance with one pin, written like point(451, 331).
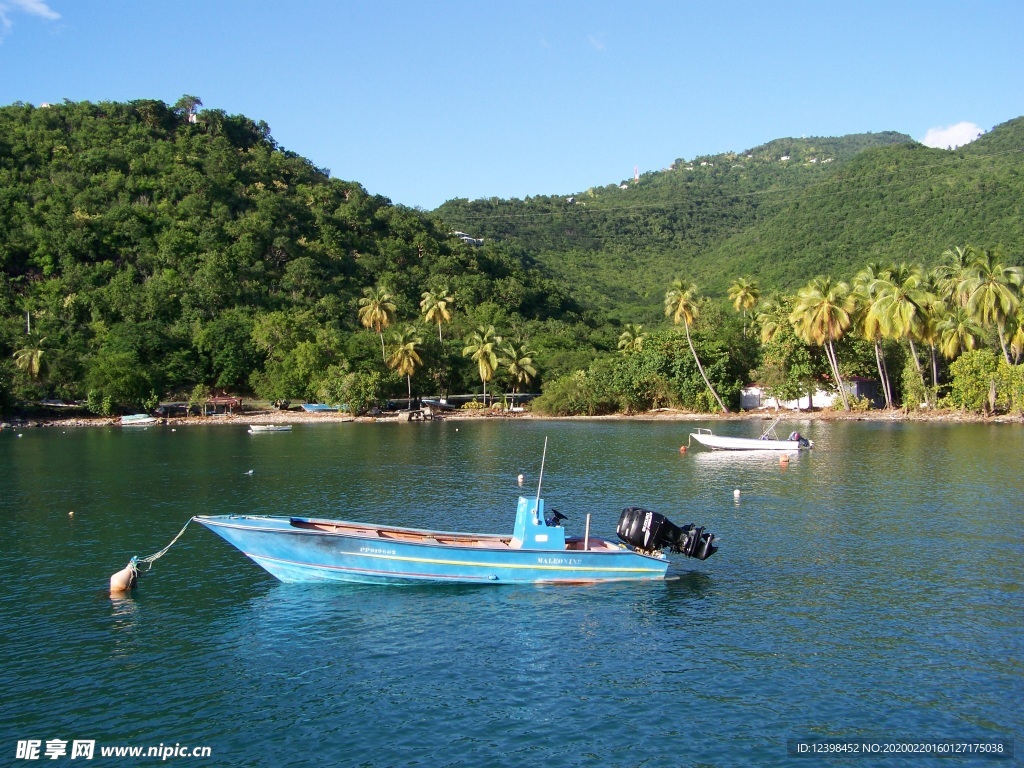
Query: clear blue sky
point(426, 101)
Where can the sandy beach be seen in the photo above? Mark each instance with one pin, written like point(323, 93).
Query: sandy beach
point(294, 416)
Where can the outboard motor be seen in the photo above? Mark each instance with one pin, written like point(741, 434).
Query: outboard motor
point(554, 520)
point(799, 439)
point(650, 532)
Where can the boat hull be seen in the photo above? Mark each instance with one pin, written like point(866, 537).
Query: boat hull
point(293, 553)
point(722, 443)
point(139, 420)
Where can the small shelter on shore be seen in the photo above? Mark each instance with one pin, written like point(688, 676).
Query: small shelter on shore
point(221, 405)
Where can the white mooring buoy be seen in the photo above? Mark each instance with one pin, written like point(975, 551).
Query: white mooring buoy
point(124, 580)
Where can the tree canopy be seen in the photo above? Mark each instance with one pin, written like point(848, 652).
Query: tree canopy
point(150, 251)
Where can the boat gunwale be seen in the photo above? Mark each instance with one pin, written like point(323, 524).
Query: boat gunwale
point(418, 537)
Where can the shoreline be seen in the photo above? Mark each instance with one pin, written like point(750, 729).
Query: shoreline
point(271, 416)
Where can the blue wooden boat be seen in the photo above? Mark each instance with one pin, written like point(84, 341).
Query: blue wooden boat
point(305, 549)
point(301, 549)
point(318, 407)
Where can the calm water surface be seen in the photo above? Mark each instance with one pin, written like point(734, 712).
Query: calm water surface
point(871, 589)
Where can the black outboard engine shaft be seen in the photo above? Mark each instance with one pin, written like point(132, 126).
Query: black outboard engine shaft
point(651, 532)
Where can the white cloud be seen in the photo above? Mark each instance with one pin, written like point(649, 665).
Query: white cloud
point(31, 7)
point(951, 135)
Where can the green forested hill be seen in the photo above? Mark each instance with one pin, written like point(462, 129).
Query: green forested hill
point(901, 203)
point(146, 249)
point(780, 213)
point(151, 251)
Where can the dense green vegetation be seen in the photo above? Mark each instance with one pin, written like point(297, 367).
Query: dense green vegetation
point(157, 252)
point(144, 254)
point(829, 207)
point(931, 334)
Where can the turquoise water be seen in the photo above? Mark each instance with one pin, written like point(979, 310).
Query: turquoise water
point(872, 589)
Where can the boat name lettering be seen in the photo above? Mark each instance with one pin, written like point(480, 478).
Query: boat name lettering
point(560, 560)
point(376, 551)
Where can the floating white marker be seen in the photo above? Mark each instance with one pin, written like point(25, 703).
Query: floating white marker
point(736, 493)
point(521, 478)
point(124, 580)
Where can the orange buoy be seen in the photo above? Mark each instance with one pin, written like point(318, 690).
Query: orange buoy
point(124, 580)
point(682, 449)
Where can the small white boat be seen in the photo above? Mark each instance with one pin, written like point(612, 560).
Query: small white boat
point(258, 428)
point(766, 442)
point(139, 420)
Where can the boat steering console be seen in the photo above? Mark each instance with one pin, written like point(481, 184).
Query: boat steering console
point(651, 532)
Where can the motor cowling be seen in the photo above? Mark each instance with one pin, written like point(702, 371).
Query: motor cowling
point(651, 532)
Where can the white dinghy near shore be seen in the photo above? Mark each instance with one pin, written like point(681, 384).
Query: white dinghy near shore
point(766, 442)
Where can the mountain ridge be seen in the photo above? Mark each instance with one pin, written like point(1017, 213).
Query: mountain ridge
point(781, 212)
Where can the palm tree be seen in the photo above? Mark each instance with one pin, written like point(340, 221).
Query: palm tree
point(958, 332)
point(993, 293)
point(30, 358)
point(771, 318)
point(435, 309)
point(865, 287)
point(820, 316)
point(405, 355)
point(376, 311)
point(520, 364)
point(901, 297)
point(934, 311)
point(950, 275)
point(1017, 337)
point(632, 338)
point(744, 295)
point(480, 348)
point(681, 304)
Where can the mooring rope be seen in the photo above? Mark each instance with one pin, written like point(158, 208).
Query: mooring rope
point(149, 559)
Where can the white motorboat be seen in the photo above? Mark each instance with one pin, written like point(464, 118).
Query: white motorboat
point(768, 441)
